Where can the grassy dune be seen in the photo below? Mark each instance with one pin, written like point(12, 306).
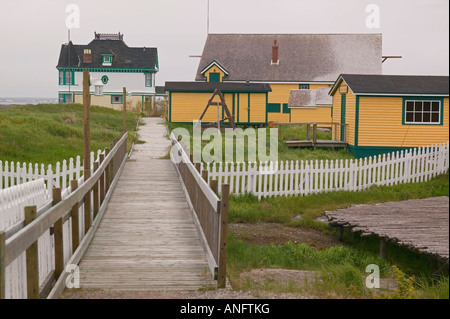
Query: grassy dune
point(48, 133)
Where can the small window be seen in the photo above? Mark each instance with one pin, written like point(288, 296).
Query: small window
point(148, 79)
point(68, 78)
point(422, 112)
point(61, 77)
point(107, 59)
point(304, 87)
point(116, 99)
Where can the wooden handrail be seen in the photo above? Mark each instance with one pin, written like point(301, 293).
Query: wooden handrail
point(23, 239)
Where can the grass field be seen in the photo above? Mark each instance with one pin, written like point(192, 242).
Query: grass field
point(341, 266)
point(48, 133)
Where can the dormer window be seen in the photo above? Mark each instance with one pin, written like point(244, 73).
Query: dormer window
point(107, 59)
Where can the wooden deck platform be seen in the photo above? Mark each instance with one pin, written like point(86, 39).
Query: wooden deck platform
point(147, 239)
point(421, 225)
point(317, 144)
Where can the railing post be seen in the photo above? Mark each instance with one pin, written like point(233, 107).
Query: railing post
point(315, 135)
point(32, 258)
point(107, 172)
point(124, 110)
point(205, 176)
point(223, 243)
point(58, 237)
point(2, 266)
point(197, 167)
point(75, 220)
point(95, 192)
point(102, 181)
point(214, 184)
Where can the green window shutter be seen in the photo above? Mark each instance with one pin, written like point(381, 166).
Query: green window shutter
point(214, 77)
point(286, 109)
point(273, 107)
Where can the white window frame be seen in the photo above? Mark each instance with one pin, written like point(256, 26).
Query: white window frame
point(431, 112)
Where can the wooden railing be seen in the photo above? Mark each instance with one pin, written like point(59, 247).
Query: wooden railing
point(210, 213)
point(93, 193)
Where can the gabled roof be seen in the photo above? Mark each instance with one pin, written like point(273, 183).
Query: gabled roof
point(217, 64)
point(310, 98)
point(125, 57)
point(369, 84)
point(303, 57)
point(225, 87)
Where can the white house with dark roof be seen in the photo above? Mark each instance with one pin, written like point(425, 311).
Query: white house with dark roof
point(113, 65)
point(288, 62)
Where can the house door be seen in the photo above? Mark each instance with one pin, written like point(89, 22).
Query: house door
point(343, 106)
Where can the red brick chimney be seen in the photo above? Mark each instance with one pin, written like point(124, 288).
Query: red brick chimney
point(275, 59)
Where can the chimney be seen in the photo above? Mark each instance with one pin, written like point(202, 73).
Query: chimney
point(87, 56)
point(275, 59)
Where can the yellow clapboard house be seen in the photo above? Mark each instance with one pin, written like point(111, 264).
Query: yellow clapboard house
point(246, 102)
point(387, 113)
point(289, 62)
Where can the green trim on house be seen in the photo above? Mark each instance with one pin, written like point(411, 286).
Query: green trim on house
point(234, 106)
point(64, 79)
point(367, 151)
point(286, 109)
point(114, 95)
point(273, 107)
point(151, 79)
point(267, 102)
point(238, 101)
point(422, 98)
point(356, 120)
point(107, 55)
point(305, 86)
point(343, 115)
point(214, 77)
point(116, 70)
point(170, 106)
point(249, 108)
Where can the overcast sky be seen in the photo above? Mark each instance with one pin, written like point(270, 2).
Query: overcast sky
point(32, 31)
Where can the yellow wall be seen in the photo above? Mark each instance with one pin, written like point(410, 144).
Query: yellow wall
point(350, 109)
point(380, 124)
point(188, 106)
point(278, 117)
point(306, 115)
point(280, 95)
point(214, 69)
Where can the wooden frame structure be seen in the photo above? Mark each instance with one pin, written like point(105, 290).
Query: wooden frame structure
point(222, 103)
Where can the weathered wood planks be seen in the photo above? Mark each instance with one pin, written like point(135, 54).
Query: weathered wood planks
point(421, 224)
point(147, 238)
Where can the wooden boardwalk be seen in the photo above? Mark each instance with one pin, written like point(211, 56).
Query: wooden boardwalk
point(147, 239)
point(421, 225)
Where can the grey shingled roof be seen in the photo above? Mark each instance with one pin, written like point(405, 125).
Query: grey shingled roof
point(310, 98)
point(125, 57)
point(303, 57)
point(222, 86)
point(395, 84)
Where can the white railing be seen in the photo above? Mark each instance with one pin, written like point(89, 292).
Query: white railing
point(13, 200)
point(311, 177)
point(15, 173)
point(31, 185)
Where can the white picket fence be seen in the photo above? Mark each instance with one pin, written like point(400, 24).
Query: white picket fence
point(312, 177)
point(24, 185)
point(13, 200)
point(12, 174)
